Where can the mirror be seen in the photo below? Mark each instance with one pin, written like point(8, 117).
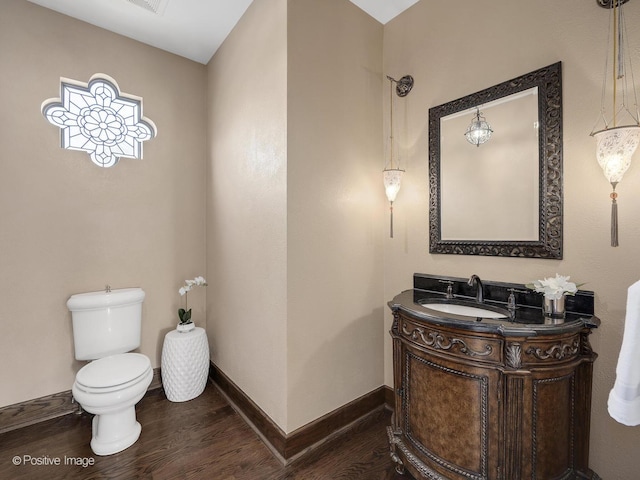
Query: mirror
point(502, 197)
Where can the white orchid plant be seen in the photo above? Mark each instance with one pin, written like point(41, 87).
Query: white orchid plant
point(554, 288)
point(184, 314)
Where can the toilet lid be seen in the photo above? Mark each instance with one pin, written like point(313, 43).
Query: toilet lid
point(112, 371)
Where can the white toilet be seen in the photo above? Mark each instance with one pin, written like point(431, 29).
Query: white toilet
point(106, 325)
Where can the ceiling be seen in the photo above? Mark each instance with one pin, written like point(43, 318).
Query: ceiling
point(190, 28)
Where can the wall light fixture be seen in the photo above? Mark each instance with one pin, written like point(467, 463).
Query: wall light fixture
point(392, 175)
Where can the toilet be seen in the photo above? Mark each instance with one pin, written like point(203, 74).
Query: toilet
point(106, 326)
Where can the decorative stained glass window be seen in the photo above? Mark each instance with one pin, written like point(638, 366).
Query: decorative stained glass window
point(100, 120)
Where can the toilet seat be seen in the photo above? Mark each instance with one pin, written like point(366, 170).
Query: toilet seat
point(113, 373)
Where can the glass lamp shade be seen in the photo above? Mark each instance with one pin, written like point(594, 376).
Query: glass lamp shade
point(392, 178)
point(614, 148)
point(479, 131)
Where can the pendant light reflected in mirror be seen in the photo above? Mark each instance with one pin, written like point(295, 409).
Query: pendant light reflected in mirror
point(479, 130)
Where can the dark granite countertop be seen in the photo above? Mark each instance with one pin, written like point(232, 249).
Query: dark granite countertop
point(526, 320)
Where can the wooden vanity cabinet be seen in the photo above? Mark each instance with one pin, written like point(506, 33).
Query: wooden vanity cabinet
point(478, 405)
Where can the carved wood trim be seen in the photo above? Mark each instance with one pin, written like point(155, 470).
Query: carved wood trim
point(558, 351)
point(513, 355)
point(585, 345)
point(395, 442)
point(438, 341)
point(394, 439)
point(549, 244)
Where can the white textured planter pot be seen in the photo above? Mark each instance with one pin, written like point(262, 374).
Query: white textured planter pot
point(185, 327)
point(185, 364)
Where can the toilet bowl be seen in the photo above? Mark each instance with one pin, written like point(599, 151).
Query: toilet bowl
point(106, 327)
point(110, 388)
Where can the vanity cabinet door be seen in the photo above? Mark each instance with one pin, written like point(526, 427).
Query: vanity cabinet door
point(449, 416)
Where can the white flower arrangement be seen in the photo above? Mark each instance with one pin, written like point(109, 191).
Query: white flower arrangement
point(184, 314)
point(554, 288)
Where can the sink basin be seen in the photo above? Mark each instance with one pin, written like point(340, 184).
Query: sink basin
point(464, 310)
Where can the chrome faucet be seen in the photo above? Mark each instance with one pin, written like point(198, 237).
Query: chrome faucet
point(475, 280)
point(512, 304)
point(449, 295)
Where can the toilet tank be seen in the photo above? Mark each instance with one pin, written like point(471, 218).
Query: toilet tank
point(106, 322)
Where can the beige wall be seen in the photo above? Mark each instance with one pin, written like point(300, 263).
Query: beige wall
point(452, 52)
point(246, 206)
point(335, 207)
point(68, 226)
point(293, 214)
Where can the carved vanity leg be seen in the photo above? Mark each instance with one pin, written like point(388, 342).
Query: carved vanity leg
point(394, 432)
point(393, 441)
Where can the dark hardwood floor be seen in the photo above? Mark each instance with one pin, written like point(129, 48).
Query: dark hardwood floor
point(202, 438)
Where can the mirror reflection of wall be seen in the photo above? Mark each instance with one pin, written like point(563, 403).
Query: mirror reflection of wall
point(491, 191)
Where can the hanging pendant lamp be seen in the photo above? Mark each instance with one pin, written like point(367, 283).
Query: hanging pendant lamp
point(392, 176)
point(615, 144)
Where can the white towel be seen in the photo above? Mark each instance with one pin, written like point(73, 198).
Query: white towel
point(624, 398)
